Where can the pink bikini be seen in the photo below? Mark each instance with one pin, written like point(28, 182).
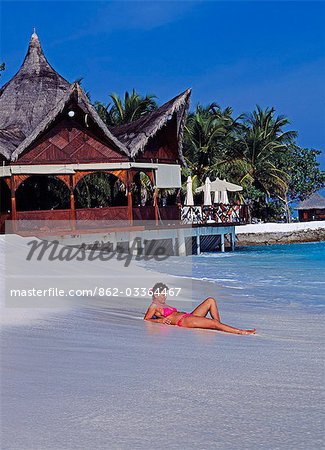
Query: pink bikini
point(168, 311)
point(179, 323)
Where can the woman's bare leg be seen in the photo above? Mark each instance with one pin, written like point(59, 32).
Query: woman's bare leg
point(208, 305)
point(212, 324)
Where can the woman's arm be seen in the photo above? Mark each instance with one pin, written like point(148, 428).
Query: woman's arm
point(159, 320)
point(151, 311)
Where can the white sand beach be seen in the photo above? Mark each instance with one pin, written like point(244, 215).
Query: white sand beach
point(272, 227)
point(92, 374)
point(280, 233)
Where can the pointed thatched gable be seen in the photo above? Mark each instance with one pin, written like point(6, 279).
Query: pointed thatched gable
point(28, 97)
point(32, 100)
point(136, 135)
point(315, 201)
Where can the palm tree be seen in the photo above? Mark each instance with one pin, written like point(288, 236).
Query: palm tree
point(209, 132)
point(142, 189)
point(252, 157)
point(205, 131)
point(122, 111)
point(99, 189)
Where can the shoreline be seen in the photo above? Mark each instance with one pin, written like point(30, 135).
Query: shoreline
point(280, 233)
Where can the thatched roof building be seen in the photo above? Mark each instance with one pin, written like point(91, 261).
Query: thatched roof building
point(313, 208)
point(50, 130)
point(32, 100)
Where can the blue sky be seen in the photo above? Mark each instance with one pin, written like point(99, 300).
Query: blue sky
point(234, 53)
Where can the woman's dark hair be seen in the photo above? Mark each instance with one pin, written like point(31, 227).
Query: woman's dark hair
point(158, 287)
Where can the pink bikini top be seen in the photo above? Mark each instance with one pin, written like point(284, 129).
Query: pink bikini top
point(168, 311)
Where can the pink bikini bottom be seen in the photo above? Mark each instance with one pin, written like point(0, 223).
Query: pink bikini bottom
point(179, 323)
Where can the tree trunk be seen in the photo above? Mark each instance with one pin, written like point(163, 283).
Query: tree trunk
point(287, 209)
point(249, 213)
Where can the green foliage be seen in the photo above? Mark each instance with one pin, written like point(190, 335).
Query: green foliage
point(142, 190)
point(122, 111)
point(305, 175)
point(99, 189)
point(254, 150)
point(207, 132)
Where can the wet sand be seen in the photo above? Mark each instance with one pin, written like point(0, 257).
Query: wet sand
point(95, 375)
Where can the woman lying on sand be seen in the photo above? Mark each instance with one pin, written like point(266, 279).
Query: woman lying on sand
point(196, 319)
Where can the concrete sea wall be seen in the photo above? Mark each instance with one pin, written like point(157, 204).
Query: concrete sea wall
point(280, 233)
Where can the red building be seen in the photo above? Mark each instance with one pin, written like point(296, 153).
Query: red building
point(313, 208)
point(52, 139)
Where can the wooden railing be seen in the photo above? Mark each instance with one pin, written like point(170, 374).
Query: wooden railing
point(170, 213)
point(141, 213)
point(89, 218)
point(101, 217)
point(3, 217)
point(218, 213)
point(43, 220)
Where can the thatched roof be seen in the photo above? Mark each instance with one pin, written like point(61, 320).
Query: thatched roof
point(27, 97)
point(135, 135)
point(77, 96)
point(33, 98)
point(315, 201)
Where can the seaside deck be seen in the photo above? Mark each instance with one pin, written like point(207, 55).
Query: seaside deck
point(189, 229)
point(181, 239)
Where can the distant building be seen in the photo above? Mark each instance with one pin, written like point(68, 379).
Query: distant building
point(313, 208)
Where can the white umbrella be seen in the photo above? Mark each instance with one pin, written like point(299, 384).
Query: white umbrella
point(221, 185)
point(189, 193)
point(232, 187)
point(224, 198)
point(217, 196)
point(207, 192)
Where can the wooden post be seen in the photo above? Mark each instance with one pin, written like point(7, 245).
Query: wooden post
point(179, 203)
point(1, 205)
point(13, 204)
point(129, 187)
point(198, 245)
point(222, 243)
point(138, 184)
point(130, 212)
point(155, 203)
point(181, 242)
point(72, 205)
point(178, 197)
point(175, 251)
point(233, 240)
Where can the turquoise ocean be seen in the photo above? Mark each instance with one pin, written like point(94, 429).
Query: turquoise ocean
point(290, 275)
